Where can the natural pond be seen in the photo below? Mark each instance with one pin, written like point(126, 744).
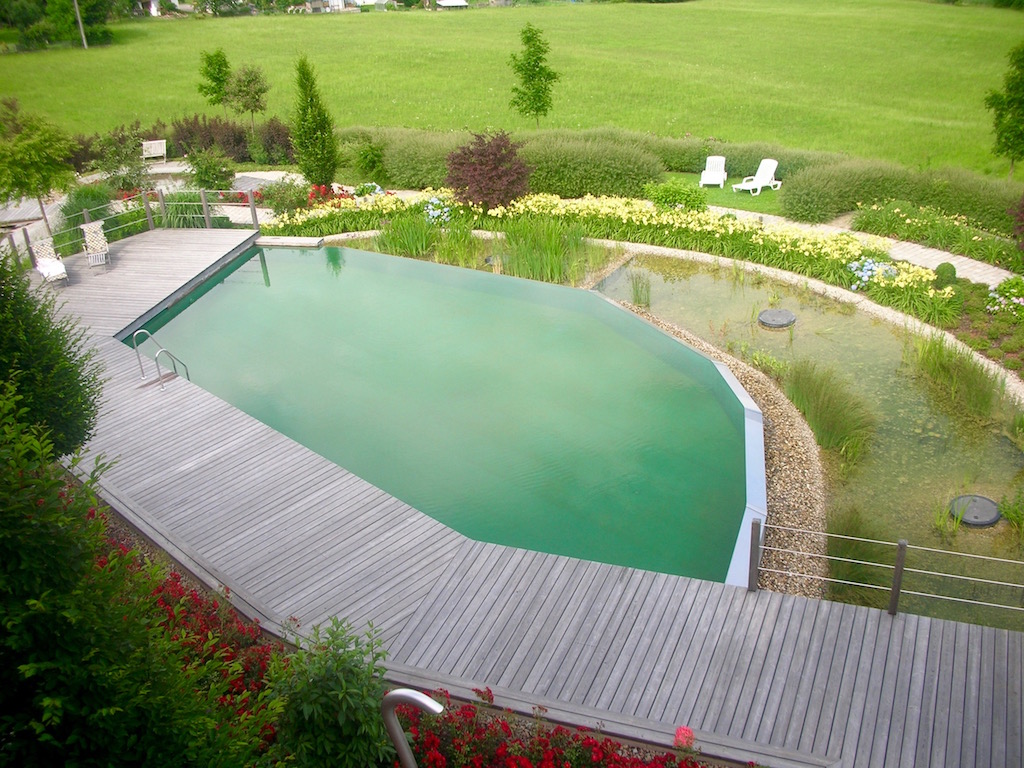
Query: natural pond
point(923, 452)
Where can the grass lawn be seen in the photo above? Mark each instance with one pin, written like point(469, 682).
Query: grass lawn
point(766, 202)
point(892, 79)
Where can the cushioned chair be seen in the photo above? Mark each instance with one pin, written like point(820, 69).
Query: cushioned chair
point(96, 244)
point(48, 263)
point(765, 177)
point(713, 174)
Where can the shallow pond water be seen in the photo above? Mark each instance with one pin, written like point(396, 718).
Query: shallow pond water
point(922, 455)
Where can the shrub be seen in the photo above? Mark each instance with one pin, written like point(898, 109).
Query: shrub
point(58, 375)
point(120, 158)
point(574, 168)
point(487, 172)
point(200, 132)
point(210, 169)
point(276, 141)
point(285, 195)
point(945, 274)
point(820, 193)
point(416, 159)
point(677, 193)
point(331, 689)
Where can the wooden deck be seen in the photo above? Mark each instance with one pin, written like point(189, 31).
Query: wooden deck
point(782, 680)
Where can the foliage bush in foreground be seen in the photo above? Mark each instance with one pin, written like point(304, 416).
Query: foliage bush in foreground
point(676, 193)
point(58, 375)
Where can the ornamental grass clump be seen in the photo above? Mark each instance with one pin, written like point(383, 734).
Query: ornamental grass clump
point(957, 380)
point(543, 248)
point(840, 419)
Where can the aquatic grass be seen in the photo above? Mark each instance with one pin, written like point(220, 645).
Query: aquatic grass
point(1012, 510)
point(840, 419)
point(457, 245)
point(959, 383)
point(640, 288)
point(544, 248)
point(408, 234)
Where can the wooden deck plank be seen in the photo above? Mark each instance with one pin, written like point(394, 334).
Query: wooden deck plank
point(296, 534)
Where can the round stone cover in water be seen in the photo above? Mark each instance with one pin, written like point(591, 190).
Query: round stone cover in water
point(776, 318)
point(978, 511)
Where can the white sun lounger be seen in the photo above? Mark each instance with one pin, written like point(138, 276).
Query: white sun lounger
point(765, 177)
point(713, 174)
point(48, 263)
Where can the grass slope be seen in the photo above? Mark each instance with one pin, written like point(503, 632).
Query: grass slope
point(891, 79)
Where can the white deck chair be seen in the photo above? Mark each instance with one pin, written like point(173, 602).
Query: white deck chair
point(48, 263)
point(713, 174)
point(765, 177)
point(96, 244)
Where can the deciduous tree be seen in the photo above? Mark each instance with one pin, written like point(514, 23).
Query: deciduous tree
point(247, 92)
point(532, 97)
point(34, 156)
point(1007, 108)
point(216, 72)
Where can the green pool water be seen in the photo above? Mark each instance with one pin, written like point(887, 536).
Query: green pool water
point(515, 412)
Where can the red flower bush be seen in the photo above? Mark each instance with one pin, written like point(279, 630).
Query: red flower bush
point(463, 735)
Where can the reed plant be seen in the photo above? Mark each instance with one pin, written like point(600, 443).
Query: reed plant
point(841, 420)
point(956, 379)
point(640, 288)
point(184, 210)
point(544, 248)
point(1012, 510)
point(408, 234)
point(456, 244)
point(855, 580)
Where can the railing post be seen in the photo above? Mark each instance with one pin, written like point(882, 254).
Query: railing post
point(206, 209)
point(897, 577)
point(163, 206)
point(86, 217)
point(755, 554)
point(14, 249)
point(252, 209)
point(149, 213)
point(28, 247)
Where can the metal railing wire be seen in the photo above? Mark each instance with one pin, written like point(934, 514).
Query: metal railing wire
point(939, 580)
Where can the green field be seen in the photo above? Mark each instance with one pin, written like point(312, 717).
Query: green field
point(893, 79)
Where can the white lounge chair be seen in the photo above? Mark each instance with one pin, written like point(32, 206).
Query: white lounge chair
point(96, 244)
point(48, 263)
point(765, 177)
point(713, 174)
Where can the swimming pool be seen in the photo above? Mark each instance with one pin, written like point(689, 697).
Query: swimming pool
point(516, 412)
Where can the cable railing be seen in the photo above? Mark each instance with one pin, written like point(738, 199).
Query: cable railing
point(989, 586)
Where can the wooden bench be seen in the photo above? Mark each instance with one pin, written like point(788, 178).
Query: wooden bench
point(155, 150)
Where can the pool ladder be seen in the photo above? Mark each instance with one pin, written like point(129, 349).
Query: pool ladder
point(175, 361)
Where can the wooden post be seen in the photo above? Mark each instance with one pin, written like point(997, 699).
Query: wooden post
point(14, 249)
point(252, 210)
point(206, 209)
point(755, 554)
point(163, 206)
point(149, 213)
point(28, 247)
point(897, 577)
point(86, 217)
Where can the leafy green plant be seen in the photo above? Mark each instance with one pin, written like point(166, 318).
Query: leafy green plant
point(120, 159)
point(768, 364)
point(285, 195)
point(210, 169)
point(840, 419)
point(677, 194)
point(1007, 108)
point(945, 274)
point(331, 689)
point(215, 73)
point(58, 373)
point(947, 522)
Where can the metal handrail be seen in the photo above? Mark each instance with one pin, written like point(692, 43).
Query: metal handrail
point(156, 358)
point(174, 362)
